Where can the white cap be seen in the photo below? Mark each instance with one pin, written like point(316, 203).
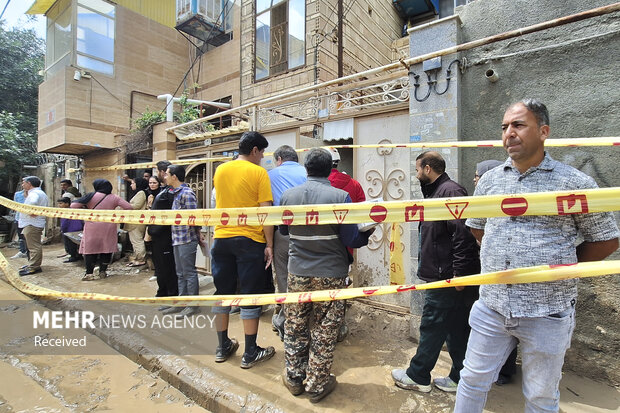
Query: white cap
point(335, 154)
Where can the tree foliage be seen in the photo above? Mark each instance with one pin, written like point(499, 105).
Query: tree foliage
point(17, 147)
point(22, 55)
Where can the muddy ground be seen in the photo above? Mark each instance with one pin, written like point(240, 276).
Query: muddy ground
point(378, 343)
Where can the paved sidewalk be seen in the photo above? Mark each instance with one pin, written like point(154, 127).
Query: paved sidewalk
point(377, 343)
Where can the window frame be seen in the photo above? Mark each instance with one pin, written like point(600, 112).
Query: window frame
point(49, 23)
point(76, 53)
point(73, 53)
point(287, 35)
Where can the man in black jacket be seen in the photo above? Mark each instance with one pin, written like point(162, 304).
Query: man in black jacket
point(447, 249)
point(161, 245)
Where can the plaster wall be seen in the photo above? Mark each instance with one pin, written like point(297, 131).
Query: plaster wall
point(573, 69)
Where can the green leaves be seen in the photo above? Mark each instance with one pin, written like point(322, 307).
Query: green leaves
point(17, 147)
point(21, 57)
point(148, 119)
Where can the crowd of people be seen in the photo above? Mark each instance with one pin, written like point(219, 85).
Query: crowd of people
point(480, 326)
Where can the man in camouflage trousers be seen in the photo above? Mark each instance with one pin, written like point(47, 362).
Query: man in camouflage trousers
point(318, 260)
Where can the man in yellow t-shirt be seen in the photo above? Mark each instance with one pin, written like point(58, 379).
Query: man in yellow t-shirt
point(242, 252)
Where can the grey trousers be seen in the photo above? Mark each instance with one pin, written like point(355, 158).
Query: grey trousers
point(280, 267)
point(185, 262)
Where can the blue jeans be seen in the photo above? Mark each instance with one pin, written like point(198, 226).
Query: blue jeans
point(185, 263)
point(543, 341)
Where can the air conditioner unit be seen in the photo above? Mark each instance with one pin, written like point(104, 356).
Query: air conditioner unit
point(207, 20)
point(416, 9)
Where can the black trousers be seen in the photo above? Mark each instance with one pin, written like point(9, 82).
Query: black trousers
point(91, 261)
point(165, 270)
point(444, 319)
point(71, 247)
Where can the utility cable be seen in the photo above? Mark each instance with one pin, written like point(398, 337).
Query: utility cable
point(5, 6)
point(111, 94)
point(198, 55)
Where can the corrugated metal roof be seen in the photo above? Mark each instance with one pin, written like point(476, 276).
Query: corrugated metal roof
point(161, 11)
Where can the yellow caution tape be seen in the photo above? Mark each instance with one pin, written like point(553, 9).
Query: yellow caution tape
point(397, 270)
point(435, 209)
point(564, 142)
point(541, 273)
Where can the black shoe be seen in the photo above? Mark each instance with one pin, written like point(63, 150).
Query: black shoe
point(261, 354)
point(72, 259)
point(296, 387)
point(503, 379)
point(316, 397)
point(28, 271)
point(222, 353)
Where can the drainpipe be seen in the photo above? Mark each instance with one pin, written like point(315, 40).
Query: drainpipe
point(169, 104)
point(340, 45)
point(169, 113)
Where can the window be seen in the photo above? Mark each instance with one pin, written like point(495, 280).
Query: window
point(280, 36)
point(58, 39)
point(95, 36)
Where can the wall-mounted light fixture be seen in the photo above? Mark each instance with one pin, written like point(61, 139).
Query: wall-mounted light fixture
point(79, 74)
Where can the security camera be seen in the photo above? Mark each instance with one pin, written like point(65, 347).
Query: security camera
point(77, 75)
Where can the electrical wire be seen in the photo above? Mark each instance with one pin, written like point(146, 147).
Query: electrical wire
point(5, 6)
point(448, 77)
point(111, 94)
point(416, 85)
point(198, 56)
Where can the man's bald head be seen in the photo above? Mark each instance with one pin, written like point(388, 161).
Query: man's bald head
point(432, 159)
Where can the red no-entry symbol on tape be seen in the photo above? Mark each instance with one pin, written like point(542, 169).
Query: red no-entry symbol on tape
point(287, 217)
point(378, 213)
point(514, 206)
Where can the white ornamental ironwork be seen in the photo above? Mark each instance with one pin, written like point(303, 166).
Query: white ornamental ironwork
point(355, 99)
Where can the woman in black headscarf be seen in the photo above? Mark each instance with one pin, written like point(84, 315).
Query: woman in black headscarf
point(100, 239)
point(152, 191)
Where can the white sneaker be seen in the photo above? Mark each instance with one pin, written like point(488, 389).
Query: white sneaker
point(404, 382)
point(153, 278)
point(446, 384)
point(20, 255)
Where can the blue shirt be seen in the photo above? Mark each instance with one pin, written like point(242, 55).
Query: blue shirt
point(288, 175)
point(524, 241)
point(19, 197)
point(35, 197)
point(184, 198)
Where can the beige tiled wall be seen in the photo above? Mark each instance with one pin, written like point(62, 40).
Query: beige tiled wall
point(149, 58)
point(370, 28)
